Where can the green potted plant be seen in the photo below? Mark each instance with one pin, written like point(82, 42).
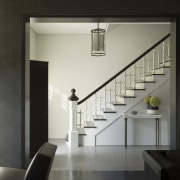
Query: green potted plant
point(153, 103)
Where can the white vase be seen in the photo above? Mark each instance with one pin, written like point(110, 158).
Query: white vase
point(151, 111)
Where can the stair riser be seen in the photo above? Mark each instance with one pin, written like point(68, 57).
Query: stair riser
point(81, 130)
point(140, 86)
point(148, 78)
point(130, 93)
point(159, 71)
point(119, 100)
point(90, 123)
point(168, 63)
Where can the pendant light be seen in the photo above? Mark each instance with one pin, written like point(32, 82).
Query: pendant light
point(98, 41)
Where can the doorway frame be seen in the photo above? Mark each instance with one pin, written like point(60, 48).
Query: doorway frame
point(174, 115)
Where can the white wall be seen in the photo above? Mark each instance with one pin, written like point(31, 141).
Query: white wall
point(71, 65)
point(33, 43)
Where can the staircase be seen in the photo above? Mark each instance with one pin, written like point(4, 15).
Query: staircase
point(104, 107)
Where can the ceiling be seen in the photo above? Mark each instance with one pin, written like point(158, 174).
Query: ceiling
point(66, 28)
point(84, 25)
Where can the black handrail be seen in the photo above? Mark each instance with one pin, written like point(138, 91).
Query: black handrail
point(124, 69)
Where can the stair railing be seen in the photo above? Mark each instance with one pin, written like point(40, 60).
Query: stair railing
point(121, 84)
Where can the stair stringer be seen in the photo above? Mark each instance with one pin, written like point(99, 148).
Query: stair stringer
point(90, 138)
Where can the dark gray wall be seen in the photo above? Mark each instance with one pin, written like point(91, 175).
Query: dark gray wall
point(173, 83)
point(11, 69)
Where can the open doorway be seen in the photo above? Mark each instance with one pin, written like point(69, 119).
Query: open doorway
point(72, 75)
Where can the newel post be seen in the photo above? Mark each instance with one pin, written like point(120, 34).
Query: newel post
point(73, 133)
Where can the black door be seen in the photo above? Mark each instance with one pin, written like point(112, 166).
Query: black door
point(38, 105)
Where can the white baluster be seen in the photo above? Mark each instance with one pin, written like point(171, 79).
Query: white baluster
point(168, 51)
point(95, 104)
point(91, 111)
point(158, 58)
point(135, 76)
point(144, 69)
point(115, 93)
point(125, 82)
point(110, 90)
point(100, 103)
point(148, 66)
point(105, 94)
point(153, 63)
point(130, 77)
point(163, 58)
point(86, 112)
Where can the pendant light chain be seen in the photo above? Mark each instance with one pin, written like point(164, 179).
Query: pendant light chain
point(98, 35)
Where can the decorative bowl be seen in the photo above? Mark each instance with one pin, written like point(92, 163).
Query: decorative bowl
point(134, 112)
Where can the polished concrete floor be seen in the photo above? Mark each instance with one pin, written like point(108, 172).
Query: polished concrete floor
point(100, 162)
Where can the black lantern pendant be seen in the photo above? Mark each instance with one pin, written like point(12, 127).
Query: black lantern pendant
point(98, 41)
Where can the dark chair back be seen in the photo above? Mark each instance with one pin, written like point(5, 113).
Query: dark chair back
point(41, 163)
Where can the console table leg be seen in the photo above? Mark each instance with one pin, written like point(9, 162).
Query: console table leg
point(125, 140)
point(157, 133)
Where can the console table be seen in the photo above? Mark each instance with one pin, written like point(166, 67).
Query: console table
point(143, 116)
